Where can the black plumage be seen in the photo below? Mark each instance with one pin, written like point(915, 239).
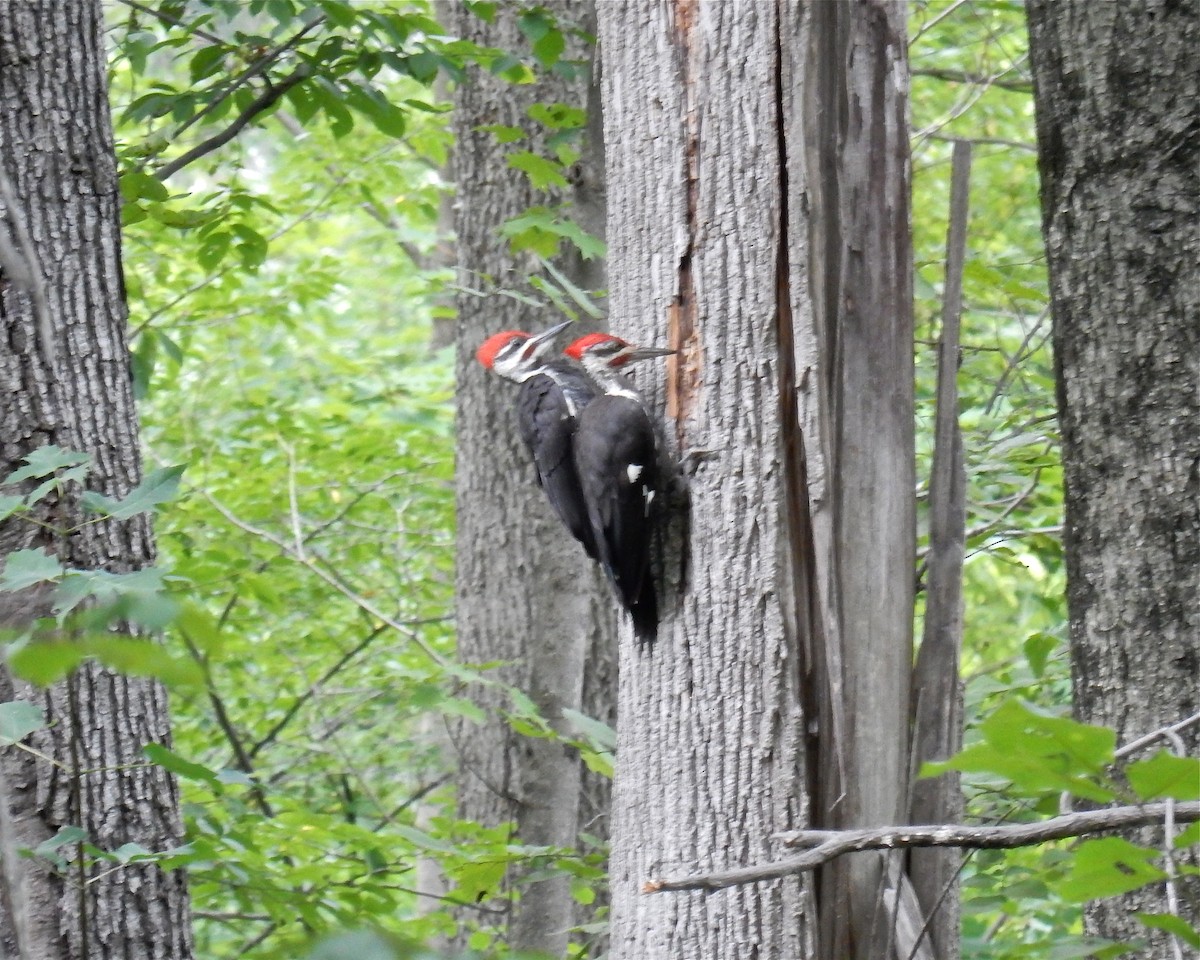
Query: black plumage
point(617, 464)
point(546, 408)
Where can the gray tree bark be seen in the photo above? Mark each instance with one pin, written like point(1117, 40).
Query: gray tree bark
point(526, 593)
point(65, 381)
point(1116, 88)
point(758, 222)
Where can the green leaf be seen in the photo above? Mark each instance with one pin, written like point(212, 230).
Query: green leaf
point(18, 719)
point(601, 734)
point(502, 132)
point(549, 48)
point(542, 173)
point(46, 663)
point(158, 486)
point(207, 61)
point(169, 760)
point(580, 297)
point(1108, 867)
point(127, 851)
point(1165, 775)
point(144, 658)
point(64, 836)
point(422, 67)
point(1039, 753)
point(44, 461)
point(27, 567)
point(10, 503)
point(1174, 925)
point(477, 880)
point(1037, 649)
point(535, 24)
point(557, 116)
point(135, 185)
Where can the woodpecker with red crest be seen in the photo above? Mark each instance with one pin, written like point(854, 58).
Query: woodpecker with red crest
point(617, 449)
point(553, 392)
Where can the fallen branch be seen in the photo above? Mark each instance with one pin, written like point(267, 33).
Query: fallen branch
point(829, 844)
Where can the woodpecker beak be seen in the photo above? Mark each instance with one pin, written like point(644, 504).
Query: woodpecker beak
point(536, 346)
point(646, 353)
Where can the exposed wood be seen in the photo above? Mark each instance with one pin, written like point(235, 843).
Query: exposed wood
point(937, 700)
point(56, 145)
point(1116, 89)
point(850, 275)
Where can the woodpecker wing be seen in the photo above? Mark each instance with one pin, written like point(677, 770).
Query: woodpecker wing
point(548, 428)
point(617, 465)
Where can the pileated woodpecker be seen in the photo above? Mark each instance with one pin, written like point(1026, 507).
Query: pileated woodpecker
point(617, 460)
point(553, 392)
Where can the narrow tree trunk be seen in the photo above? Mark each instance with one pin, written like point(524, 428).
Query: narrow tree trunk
point(1116, 88)
point(758, 222)
point(65, 381)
point(527, 594)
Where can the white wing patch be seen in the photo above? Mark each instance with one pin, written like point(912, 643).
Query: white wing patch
point(649, 495)
point(633, 471)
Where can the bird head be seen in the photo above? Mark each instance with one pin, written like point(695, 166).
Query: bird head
point(516, 355)
point(599, 350)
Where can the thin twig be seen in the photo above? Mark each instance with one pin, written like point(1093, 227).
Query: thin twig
point(257, 67)
point(976, 79)
point(176, 22)
point(338, 584)
point(827, 845)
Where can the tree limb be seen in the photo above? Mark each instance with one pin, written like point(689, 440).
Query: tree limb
point(827, 845)
point(262, 102)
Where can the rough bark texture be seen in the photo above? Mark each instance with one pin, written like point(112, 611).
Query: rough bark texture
point(758, 222)
point(57, 151)
point(526, 592)
point(1116, 88)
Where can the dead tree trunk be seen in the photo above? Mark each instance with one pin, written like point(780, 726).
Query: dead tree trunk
point(1116, 88)
point(65, 381)
point(758, 221)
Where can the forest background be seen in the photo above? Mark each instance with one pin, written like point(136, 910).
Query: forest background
point(291, 297)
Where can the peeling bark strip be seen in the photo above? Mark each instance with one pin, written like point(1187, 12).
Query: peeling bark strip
point(55, 130)
point(684, 369)
point(1116, 88)
point(937, 692)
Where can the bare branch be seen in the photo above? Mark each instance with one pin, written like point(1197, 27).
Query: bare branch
point(262, 102)
point(176, 22)
point(977, 79)
point(829, 844)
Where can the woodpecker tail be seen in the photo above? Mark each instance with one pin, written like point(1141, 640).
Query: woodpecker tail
point(644, 611)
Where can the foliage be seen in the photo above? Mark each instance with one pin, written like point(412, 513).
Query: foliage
point(284, 287)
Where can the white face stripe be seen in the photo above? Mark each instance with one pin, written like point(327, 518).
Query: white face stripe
point(633, 471)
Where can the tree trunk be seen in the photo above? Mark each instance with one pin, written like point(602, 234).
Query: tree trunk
point(1116, 88)
point(526, 593)
point(758, 222)
point(66, 381)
